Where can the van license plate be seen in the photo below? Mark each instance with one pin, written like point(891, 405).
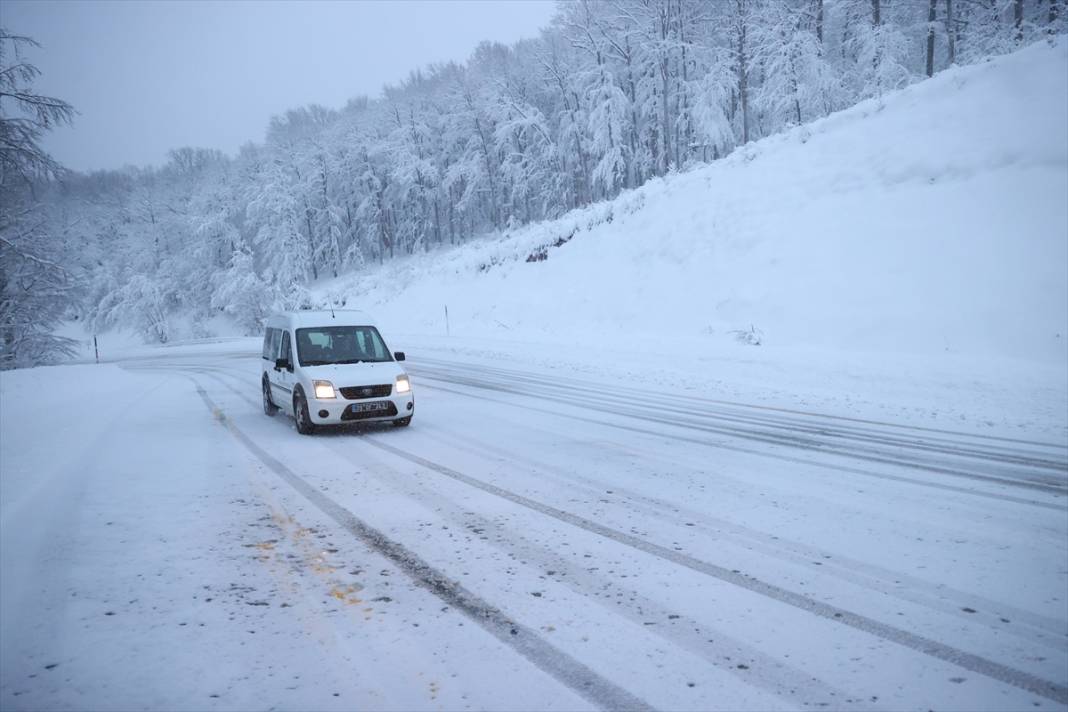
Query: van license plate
point(368, 407)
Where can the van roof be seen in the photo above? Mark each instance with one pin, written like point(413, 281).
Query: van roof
point(320, 317)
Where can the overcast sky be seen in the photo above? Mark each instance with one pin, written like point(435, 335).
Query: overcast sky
point(147, 77)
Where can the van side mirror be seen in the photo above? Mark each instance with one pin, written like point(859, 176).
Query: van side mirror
point(399, 355)
point(281, 363)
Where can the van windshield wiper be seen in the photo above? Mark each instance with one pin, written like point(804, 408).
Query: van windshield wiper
point(342, 362)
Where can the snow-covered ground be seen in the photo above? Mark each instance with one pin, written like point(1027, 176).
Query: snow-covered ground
point(607, 497)
point(537, 539)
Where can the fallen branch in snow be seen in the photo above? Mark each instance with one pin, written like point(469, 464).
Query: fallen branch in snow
point(751, 336)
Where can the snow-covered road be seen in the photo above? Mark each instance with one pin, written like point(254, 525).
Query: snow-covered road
point(536, 539)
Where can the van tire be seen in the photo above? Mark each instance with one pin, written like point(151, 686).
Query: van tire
point(269, 408)
point(305, 426)
point(402, 422)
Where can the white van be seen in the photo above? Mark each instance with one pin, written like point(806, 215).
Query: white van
point(332, 367)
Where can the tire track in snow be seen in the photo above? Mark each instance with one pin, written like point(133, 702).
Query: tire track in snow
point(542, 654)
point(684, 632)
point(982, 447)
point(957, 437)
point(936, 597)
point(764, 453)
point(789, 439)
point(711, 644)
point(1057, 490)
point(988, 611)
point(969, 661)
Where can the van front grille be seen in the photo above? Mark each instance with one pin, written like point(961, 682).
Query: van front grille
point(358, 392)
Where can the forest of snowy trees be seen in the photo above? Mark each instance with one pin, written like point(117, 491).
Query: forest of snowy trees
point(613, 93)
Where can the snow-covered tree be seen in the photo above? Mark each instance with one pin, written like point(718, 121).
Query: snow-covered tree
point(274, 214)
point(799, 83)
point(137, 303)
point(611, 94)
point(37, 288)
point(241, 293)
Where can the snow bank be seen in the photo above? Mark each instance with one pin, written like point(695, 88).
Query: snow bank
point(931, 222)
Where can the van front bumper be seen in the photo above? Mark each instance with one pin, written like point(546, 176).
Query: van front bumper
point(339, 410)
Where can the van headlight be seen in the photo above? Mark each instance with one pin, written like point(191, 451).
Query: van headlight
point(323, 389)
point(403, 384)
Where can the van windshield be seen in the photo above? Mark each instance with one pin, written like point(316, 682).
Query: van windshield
point(324, 345)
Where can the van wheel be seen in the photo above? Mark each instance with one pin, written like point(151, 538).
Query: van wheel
point(402, 422)
point(268, 405)
point(305, 426)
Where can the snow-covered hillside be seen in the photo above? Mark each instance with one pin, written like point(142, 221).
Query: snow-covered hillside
point(786, 432)
point(933, 221)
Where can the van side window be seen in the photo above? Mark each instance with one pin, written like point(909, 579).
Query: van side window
point(285, 348)
point(276, 341)
point(271, 340)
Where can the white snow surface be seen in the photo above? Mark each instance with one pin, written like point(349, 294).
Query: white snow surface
point(605, 499)
point(535, 540)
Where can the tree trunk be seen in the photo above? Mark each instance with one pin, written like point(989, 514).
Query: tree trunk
point(633, 179)
point(311, 240)
point(951, 33)
point(451, 203)
point(795, 83)
point(665, 118)
point(930, 38)
point(682, 147)
point(437, 222)
point(876, 10)
point(743, 74)
point(819, 21)
point(1017, 20)
point(488, 160)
